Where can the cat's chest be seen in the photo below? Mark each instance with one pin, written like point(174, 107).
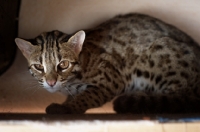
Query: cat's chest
point(73, 88)
point(141, 84)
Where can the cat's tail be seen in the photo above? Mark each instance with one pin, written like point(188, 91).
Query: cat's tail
point(156, 104)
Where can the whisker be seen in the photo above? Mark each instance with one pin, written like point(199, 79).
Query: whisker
point(31, 85)
point(70, 93)
point(35, 91)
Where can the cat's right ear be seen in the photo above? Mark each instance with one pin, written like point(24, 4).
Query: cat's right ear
point(25, 47)
point(76, 41)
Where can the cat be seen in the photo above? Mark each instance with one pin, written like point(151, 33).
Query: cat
point(152, 66)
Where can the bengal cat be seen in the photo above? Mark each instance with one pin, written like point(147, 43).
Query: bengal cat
point(152, 66)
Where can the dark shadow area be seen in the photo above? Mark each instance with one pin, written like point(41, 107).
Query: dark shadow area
point(9, 11)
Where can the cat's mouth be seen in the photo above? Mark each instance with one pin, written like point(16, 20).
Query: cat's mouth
point(52, 89)
point(56, 85)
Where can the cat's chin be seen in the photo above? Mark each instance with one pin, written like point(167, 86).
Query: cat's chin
point(52, 90)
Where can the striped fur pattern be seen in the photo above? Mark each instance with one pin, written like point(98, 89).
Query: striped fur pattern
point(151, 65)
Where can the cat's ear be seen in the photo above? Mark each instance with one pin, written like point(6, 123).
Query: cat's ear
point(76, 41)
point(26, 47)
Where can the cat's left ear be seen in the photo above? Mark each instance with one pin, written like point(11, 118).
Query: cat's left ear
point(76, 41)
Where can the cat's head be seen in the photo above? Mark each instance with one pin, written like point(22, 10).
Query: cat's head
point(52, 57)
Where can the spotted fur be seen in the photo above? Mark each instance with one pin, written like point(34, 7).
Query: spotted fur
point(151, 65)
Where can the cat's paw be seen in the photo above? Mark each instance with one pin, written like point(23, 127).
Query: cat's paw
point(57, 109)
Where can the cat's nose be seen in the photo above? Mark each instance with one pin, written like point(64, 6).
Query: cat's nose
point(51, 82)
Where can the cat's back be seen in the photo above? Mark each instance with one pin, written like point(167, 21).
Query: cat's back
point(135, 28)
point(134, 33)
point(136, 41)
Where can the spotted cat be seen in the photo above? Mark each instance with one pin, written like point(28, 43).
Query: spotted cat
point(152, 66)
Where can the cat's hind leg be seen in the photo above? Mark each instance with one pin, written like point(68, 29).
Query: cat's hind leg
point(156, 104)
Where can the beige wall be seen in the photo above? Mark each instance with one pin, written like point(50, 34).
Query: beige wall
point(71, 15)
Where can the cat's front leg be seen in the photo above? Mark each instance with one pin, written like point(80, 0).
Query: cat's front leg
point(91, 97)
point(55, 108)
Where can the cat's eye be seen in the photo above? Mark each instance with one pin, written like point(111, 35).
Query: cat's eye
point(63, 65)
point(38, 67)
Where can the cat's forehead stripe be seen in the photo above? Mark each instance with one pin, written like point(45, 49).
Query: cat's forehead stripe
point(42, 40)
point(50, 47)
point(40, 59)
point(50, 52)
point(55, 53)
point(43, 54)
